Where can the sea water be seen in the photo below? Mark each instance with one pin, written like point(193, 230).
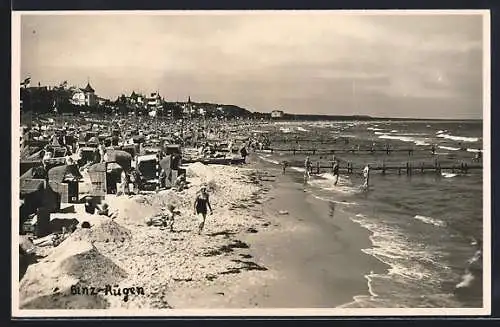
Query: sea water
point(426, 227)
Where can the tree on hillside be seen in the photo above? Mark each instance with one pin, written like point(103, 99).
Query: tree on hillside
point(121, 104)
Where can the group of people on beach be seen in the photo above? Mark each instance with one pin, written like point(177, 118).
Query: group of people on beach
point(335, 171)
point(201, 207)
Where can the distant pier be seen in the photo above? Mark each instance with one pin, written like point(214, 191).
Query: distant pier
point(355, 150)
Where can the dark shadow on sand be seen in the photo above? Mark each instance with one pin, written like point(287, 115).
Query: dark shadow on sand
point(225, 233)
point(25, 260)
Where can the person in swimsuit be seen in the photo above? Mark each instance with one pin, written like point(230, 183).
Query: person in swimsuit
point(336, 171)
point(366, 176)
point(307, 169)
point(201, 203)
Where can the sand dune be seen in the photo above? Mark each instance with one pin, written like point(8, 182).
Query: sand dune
point(125, 252)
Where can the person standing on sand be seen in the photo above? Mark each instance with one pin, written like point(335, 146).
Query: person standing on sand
point(102, 151)
point(124, 183)
point(134, 179)
point(170, 217)
point(366, 175)
point(201, 203)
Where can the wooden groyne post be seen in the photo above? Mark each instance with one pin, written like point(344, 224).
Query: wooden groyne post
point(408, 168)
point(464, 167)
point(385, 168)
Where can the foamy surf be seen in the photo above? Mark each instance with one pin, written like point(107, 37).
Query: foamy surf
point(391, 246)
point(329, 176)
point(322, 198)
point(466, 280)
point(327, 185)
point(359, 299)
point(269, 160)
point(448, 148)
point(458, 138)
point(448, 175)
point(302, 129)
point(468, 276)
point(475, 257)
point(430, 220)
point(404, 139)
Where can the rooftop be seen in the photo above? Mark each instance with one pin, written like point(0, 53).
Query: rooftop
point(89, 88)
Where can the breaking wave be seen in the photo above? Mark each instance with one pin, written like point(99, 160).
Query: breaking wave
point(458, 138)
point(430, 220)
point(404, 139)
point(448, 148)
point(276, 162)
point(392, 247)
point(468, 277)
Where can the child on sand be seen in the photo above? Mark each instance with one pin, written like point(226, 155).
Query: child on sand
point(201, 203)
point(89, 206)
point(170, 217)
point(124, 183)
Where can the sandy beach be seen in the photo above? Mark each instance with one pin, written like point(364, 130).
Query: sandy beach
point(251, 254)
point(313, 257)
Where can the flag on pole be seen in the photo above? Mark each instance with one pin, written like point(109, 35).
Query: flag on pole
point(26, 82)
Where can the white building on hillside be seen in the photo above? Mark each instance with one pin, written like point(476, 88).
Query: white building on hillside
point(84, 97)
point(154, 102)
point(277, 114)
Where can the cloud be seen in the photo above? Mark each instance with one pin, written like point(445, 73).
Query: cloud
point(301, 62)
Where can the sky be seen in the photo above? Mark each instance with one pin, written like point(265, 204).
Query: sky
point(422, 66)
